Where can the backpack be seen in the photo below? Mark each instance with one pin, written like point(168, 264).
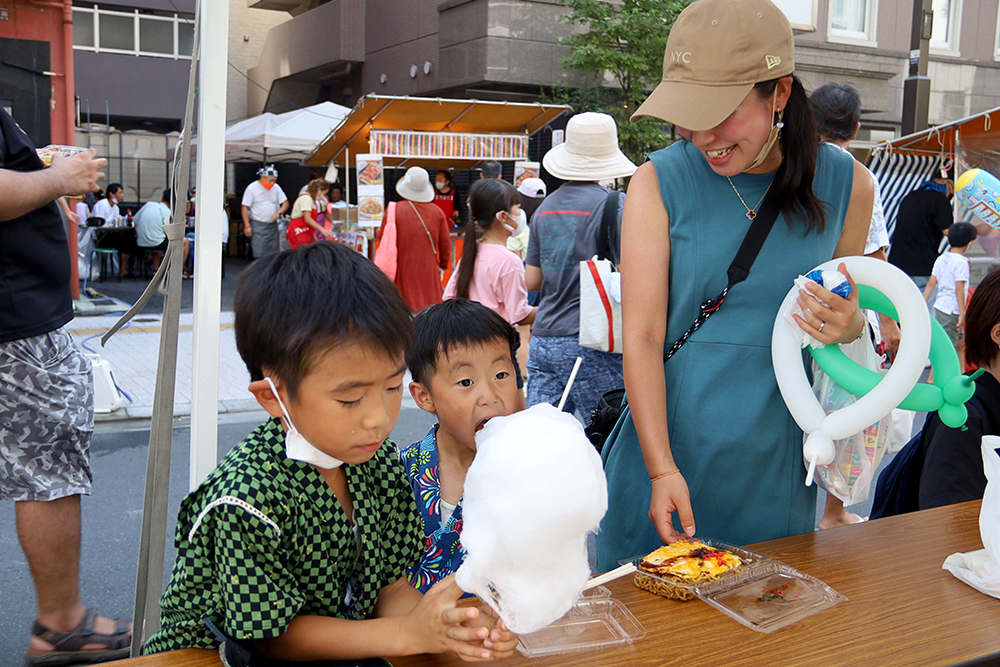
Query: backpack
point(898, 488)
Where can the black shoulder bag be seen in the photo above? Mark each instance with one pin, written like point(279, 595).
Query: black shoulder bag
point(609, 409)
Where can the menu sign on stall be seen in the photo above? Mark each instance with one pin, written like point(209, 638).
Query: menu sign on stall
point(523, 170)
point(371, 190)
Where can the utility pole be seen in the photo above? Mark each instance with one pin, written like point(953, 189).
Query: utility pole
point(917, 86)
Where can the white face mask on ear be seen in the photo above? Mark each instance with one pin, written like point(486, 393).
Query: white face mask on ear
point(772, 137)
point(297, 447)
point(521, 219)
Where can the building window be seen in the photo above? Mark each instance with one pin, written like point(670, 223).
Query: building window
point(996, 44)
point(83, 27)
point(853, 22)
point(139, 33)
point(947, 24)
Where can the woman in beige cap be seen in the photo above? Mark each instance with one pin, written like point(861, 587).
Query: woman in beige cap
point(423, 241)
point(730, 462)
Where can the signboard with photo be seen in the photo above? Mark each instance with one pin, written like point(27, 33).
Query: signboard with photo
point(523, 170)
point(371, 190)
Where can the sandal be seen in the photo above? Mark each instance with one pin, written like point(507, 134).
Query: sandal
point(68, 646)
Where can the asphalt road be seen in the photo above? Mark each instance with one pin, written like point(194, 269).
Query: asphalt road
point(111, 525)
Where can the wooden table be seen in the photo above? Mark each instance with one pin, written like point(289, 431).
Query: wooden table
point(903, 609)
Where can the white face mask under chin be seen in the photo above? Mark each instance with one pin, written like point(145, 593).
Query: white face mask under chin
point(521, 219)
point(297, 447)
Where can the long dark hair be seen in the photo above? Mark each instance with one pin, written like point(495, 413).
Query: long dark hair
point(793, 183)
point(487, 197)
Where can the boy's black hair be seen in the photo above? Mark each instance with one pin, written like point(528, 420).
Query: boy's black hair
point(440, 328)
point(961, 234)
point(293, 304)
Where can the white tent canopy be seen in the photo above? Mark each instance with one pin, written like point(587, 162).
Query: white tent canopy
point(287, 137)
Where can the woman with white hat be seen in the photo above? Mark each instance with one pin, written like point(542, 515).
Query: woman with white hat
point(565, 230)
point(706, 434)
point(423, 243)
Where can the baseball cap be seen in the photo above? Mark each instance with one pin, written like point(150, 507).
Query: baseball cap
point(716, 51)
point(532, 187)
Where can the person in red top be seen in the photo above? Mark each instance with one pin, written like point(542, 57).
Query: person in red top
point(446, 197)
point(423, 241)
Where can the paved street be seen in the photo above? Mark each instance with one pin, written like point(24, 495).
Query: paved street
point(112, 520)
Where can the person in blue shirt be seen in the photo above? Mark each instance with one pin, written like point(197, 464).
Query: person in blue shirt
point(463, 371)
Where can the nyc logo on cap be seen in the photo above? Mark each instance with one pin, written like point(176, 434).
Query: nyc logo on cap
point(772, 61)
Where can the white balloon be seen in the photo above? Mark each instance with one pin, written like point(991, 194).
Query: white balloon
point(915, 343)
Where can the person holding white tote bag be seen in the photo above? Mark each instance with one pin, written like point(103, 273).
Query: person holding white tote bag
point(565, 231)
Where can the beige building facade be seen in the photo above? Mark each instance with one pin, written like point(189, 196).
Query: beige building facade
point(867, 43)
point(339, 50)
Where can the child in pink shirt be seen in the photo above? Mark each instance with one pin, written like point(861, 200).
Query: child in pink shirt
point(488, 272)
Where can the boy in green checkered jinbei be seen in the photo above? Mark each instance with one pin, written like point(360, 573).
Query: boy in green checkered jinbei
point(297, 544)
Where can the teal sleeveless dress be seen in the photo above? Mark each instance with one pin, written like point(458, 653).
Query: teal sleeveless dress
point(730, 432)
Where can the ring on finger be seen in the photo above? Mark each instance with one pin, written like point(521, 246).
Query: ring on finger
point(821, 325)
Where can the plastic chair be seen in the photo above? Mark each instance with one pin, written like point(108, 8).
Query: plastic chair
point(107, 256)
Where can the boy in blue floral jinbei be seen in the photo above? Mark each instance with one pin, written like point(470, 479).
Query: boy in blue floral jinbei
point(463, 371)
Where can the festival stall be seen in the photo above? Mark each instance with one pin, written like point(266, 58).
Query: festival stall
point(902, 164)
point(385, 132)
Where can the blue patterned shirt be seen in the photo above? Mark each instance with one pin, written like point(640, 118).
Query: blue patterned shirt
point(443, 552)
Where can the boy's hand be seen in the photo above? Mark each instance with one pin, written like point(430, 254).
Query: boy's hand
point(501, 640)
point(436, 625)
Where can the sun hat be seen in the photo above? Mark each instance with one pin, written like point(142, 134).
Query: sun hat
point(590, 152)
point(532, 187)
point(416, 186)
point(716, 51)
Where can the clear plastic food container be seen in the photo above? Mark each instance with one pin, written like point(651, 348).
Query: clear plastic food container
point(595, 621)
point(45, 154)
point(750, 560)
point(770, 596)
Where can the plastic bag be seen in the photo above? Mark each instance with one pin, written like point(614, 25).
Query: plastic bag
point(981, 569)
point(835, 281)
point(852, 472)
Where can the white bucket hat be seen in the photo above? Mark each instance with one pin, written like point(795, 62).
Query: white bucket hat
point(590, 152)
point(416, 186)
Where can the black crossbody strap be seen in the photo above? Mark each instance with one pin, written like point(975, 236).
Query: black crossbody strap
point(605, 244)
point(739, 269)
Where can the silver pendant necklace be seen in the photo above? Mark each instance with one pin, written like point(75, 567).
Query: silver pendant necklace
point(751, 212)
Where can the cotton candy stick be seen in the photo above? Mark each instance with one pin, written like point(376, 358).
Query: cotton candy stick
point(569, 385)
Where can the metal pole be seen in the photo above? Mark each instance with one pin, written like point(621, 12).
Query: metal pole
point(211, 167)
point(917, 86)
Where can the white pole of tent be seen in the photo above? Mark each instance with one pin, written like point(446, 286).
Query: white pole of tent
point(212, 74)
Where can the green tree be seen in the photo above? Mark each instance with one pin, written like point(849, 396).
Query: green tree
point(620, 50)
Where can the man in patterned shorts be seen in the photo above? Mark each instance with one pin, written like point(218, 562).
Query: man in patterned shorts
point(46, 398)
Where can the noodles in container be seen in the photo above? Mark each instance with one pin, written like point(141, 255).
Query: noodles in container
point(46, 154)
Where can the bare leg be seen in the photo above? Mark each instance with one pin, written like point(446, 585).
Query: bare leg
point(157, 258)
point(49, 533)
point(836, 515)
point(123, 267)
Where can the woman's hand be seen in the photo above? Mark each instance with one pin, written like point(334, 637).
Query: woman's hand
point(670, 494)
point(841, 321)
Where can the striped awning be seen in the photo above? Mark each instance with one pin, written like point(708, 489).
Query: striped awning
point(899, 174)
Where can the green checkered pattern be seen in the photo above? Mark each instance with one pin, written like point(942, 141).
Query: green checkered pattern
point(251, 579)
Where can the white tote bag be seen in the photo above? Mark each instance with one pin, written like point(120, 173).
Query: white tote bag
point(600, 306)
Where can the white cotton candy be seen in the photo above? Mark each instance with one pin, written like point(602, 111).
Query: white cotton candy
point(534, 491)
